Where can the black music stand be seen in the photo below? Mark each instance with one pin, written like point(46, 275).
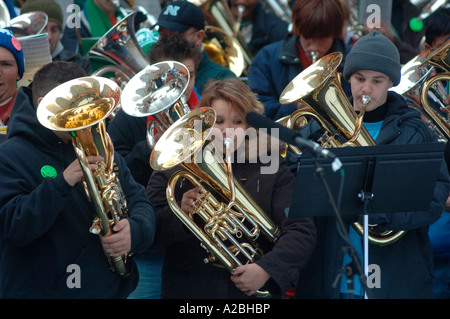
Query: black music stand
point(373, 179)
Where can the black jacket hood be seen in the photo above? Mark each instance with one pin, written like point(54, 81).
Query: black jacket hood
point(24, 122)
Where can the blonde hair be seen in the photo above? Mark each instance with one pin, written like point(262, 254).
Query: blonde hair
point(243, 101)
point(234, 91)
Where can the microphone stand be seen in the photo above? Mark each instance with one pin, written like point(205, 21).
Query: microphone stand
point(350, 249)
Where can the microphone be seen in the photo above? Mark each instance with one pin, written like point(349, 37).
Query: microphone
point(290, 136)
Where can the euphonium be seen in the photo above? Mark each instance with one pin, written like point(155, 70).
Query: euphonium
point(220, 44)
point(80, 106)
point(418, 83)
point(157, 90)
point(231, 225)
point(5, 18)
point(120, 48)
point(319, 88)
point(30, 23)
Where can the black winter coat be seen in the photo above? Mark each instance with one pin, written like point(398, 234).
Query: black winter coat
point(406, 265)
point(185, 275)
point(44, 222)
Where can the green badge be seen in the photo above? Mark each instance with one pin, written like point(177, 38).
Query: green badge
point(48, 171)
point(416, 25)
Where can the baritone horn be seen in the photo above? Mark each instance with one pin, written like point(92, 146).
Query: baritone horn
point(157, 91)
point(319, 88)
point(80, 107)
point(120, 48)
point(231, 226)
point(419, 83)
point(221, 43)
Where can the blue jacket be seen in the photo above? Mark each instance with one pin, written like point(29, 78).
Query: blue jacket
point(44, 222)
point(267, 28)
point(274, 67)
point(406, 265)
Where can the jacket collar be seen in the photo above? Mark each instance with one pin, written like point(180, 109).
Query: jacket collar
point(289, 51)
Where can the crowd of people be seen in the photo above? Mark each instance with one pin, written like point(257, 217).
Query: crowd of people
point(60, 191)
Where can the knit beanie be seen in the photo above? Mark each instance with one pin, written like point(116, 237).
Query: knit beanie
point(8, 41)
point(374, 52)
point(49, 7)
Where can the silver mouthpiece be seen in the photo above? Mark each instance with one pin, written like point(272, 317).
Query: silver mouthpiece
point(227, 142)
point(241, 8)
point(314, 55)
point(365, 99)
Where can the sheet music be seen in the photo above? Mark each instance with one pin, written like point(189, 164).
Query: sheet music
point(36, 52)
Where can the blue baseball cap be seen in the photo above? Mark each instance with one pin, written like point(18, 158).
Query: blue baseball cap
point(179, 16)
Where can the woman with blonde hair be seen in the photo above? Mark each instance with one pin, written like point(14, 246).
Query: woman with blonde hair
point(185, 275)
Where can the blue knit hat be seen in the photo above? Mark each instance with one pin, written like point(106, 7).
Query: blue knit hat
point(8, 41)
point(374, 52)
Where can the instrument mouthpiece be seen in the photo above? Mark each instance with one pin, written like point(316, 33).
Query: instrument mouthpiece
point(227, 142)
point(365, 99)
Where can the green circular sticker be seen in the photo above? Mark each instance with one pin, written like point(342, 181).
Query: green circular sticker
point(48, 171)
point(416, 25)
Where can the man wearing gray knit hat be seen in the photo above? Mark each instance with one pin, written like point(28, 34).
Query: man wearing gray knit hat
point(54, 28)
point(372, 67)
point(374, 52)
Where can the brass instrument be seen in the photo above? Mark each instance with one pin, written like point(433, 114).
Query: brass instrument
point(296, 121)
point(318, 87)
point(237, 25)
point(29, 23)
point(218, 16)
point(231, 223)
point(5, 17)
point(224, 50)
point(313, 55)
point(280, 8)
point(120, 48)
point(157, 90)
point(80, 106)
point(418, 83)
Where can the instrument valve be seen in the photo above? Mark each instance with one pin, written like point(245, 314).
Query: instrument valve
point(210, 259)
point(95, 227)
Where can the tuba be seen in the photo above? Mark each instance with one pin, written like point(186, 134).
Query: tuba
point(319, 88)
point(120, 48)
point(418, 83)
point(29, 23)
point(231, 226)
point(5, 17)
point(157, 90)
point(80, 106)
point(220, 44)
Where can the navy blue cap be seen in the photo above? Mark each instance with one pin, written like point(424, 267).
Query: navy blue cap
point(179, 16)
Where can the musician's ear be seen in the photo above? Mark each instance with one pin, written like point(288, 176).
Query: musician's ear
point(200, 35)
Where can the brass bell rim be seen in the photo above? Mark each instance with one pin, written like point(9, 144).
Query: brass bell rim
point(179, 154)
point(102, 89)
point(129, 95)
point(316, 74)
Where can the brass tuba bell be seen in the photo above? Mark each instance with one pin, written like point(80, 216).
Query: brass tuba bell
point(29, 23)
point(318, 87)
point(157, 90)
point(120, 48)
point(80, 106)
point(418, 83)
point(231, 226)
point(222, 45)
